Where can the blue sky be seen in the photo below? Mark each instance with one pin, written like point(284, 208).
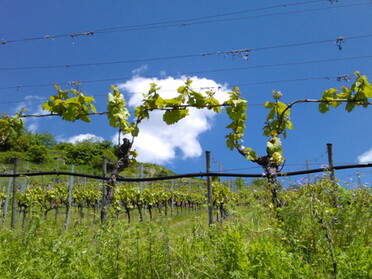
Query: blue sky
point(135, 32)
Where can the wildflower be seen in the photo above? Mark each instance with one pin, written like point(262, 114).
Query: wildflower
point(272, 172)
point(254, 190)
point(304, 179)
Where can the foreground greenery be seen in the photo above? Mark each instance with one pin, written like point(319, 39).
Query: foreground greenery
point(309, 237)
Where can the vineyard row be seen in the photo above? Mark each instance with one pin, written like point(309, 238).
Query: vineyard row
point(127, 199)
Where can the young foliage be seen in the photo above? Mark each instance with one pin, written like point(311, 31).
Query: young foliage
point(10, 126)
point(236, 108)
point(70, 108)
point(117, 111)
point(278, 118)
point(178, 107)
point(357, 95)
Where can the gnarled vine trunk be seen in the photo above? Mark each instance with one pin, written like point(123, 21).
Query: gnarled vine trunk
point(123, 162)
point(271, 169)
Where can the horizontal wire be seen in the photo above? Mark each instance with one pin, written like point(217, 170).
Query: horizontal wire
point(197, 72)
point(227, 52)
point(187, 22)
point(240, 18)
point(208, 17)
point(199, 174)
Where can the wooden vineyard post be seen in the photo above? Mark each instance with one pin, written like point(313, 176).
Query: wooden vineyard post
point(96, 204)
point(104, 171)
point(14, 197)
point(332, 170)
point(172, 198)
point(308, 168)
point(359, 179)
point(209, 189)
point(141, 176)
point(69, 201)
point(6, 204)
point(234, 187)
point(330, 161)
point(103, 183)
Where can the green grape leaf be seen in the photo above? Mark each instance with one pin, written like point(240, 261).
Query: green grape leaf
point(251, 154)
point(10, 125)
point(289, 125)
point(118, 113)
point(175, 115)
point(70, 108)
point(274, 145)
point(323, 107)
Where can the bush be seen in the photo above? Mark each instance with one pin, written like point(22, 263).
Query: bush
point(7, 157)
point(38, 154)
point(96, 161)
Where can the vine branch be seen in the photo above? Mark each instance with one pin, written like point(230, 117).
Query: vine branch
point(289, 106)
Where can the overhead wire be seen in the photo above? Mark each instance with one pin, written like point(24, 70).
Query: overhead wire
point(185, 22)
point(247, 52)
point(211, 16)
point(198, 72)
point(242, 18)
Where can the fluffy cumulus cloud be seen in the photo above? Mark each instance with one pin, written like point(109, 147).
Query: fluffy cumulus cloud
point(160, 143)
point(366, 157)
point(84, 137)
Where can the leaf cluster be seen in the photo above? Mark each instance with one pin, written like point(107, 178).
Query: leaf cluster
point(236, 108)
point(70, 108)
point(274, 150)
point(176, 108)
point(10, 126)
point(358, 94)
point(117, 111)
point(278, 118)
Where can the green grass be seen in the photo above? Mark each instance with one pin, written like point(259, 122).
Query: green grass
point(252, 243)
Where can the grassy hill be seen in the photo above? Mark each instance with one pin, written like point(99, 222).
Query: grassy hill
point(56, 162)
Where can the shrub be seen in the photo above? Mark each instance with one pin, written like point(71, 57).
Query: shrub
point(7, 157)
point(38, 154)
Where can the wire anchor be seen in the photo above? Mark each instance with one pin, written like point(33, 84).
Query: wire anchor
point(339, 42)
point(344, 77)
point(241, 53)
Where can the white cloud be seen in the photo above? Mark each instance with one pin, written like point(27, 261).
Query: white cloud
point(84, 137)
point(158, 142)
point(140, 70)
point(32, 105)
point(32, 127)
point(365, 157)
